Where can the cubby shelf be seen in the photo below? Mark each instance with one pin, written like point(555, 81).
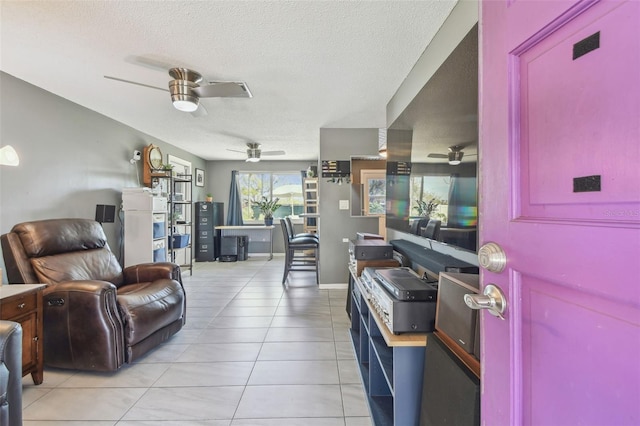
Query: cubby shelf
point(391, 366)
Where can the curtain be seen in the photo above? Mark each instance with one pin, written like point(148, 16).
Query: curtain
point(234, 213)
point(454, 201)
point(463, 200)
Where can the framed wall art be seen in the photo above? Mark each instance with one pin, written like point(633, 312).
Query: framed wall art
point(199, 179)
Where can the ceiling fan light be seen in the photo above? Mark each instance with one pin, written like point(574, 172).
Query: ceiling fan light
point(9, 156)
point(182, 103)
point(455, 157)
point(182, 97)
point(382, 143)
point(252, 160)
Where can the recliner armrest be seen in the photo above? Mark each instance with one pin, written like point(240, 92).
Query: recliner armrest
point(147, 272)
point(82, 327)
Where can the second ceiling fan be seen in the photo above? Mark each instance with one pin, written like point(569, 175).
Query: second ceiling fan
point(254, 152)
point(454, 155)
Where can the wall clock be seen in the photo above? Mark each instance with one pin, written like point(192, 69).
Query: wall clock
point(154, 157)
point(152, 162)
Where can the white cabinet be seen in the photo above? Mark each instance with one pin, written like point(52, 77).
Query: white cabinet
point(145, 227)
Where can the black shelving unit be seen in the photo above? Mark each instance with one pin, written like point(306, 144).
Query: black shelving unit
point(180, 223)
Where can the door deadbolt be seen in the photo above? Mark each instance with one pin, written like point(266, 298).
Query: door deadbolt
point(492, 257)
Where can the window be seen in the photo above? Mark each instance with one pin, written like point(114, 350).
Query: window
point(286, 186)
point(455, 199)
point(431, 189)
point(374, 182)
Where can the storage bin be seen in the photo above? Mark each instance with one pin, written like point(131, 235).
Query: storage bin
point(159, 251)
point(159, 225)
point(179, 240)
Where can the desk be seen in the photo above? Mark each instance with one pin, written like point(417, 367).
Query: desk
point(22, 303)
point(260, 236)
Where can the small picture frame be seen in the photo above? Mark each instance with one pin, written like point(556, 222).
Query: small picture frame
point(199, 177)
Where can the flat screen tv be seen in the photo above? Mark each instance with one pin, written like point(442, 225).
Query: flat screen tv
point(422, 182)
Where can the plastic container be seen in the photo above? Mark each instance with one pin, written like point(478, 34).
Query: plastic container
point(179, 240)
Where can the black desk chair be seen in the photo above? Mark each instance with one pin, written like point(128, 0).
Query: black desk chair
point(301, 253)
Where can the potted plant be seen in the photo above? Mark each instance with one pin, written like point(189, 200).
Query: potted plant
point(209, 198)
point(267, 208)
point(167, 169)
point(425, 209)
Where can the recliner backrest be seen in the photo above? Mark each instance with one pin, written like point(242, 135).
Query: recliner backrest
point(57, 250)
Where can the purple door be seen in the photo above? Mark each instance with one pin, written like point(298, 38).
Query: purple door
point(560, 194)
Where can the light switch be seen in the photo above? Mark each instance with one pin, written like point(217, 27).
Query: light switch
point(343, 205)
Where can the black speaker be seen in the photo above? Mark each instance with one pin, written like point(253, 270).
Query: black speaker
point(105, 213)
point(450, 392)
point(243, 247)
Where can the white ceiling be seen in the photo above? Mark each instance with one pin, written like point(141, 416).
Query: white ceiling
point(309, 64)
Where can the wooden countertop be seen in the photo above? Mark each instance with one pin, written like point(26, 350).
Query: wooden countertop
point(8, 290)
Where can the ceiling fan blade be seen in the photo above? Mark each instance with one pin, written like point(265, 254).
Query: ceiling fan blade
point(273, 153)
point(223, 90)
point(154, 62)
point(434, 155)
point(200, 112)
point(136, 83)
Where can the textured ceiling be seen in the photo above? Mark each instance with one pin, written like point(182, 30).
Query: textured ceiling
point(309, 64)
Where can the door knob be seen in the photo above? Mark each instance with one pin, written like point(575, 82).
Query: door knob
point(492, 257)
point(492, 299)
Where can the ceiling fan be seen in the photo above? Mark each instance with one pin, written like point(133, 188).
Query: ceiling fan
point(186, 90)
point(254, 152)
point(454, 155)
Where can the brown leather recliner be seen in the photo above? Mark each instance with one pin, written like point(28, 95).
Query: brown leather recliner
point(96, 315)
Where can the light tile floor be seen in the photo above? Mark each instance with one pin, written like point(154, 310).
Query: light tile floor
point(253, 353)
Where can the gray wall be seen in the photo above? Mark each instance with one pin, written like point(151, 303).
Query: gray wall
point(336, 224)
point(71, 158)
point(218, 180)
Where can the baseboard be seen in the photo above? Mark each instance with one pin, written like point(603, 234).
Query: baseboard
point(337, 286)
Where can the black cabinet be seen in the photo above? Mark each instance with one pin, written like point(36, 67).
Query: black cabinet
point(208, 216)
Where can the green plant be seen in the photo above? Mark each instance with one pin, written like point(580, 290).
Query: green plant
point(167, 167)
point(267, 207)
point(425, 208)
